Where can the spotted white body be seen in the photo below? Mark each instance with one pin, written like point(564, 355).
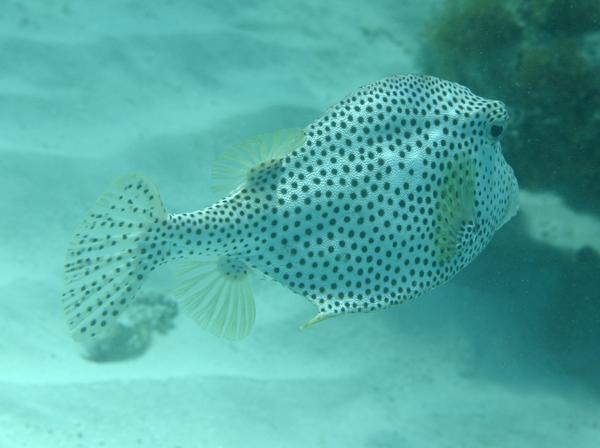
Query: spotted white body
point(388, 195)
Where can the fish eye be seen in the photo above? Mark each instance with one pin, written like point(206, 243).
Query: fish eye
point(496, 130)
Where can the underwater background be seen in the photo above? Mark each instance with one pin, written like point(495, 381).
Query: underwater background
point(505, 355)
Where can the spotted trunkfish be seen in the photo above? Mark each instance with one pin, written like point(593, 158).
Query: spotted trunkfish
point(389, 194)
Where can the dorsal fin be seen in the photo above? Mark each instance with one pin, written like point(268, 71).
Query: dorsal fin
point(240, 164)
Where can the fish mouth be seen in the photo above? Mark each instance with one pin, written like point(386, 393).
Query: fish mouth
point(513, 205)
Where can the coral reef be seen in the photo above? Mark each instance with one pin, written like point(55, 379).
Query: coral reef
point(546, 304)
point(564, 246)
point(131, 337)
point(541, 58)
point(570, 17)
point(576, 301)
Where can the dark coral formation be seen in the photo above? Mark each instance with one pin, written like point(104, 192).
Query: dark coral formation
point(131, 337)
point(541, 58)
point(572, 316)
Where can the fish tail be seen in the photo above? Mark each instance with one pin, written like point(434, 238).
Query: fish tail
point(116, 247)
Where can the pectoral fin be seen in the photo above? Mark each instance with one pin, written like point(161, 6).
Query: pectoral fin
point(455, 207)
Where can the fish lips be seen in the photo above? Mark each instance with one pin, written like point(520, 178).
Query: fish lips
point(512, 207)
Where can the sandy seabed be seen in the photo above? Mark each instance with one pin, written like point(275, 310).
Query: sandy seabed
point(92, 90)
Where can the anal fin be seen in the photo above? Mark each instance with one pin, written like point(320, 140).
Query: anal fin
point(218, 296)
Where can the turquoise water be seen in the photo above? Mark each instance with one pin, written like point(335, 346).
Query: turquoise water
point(505, 355)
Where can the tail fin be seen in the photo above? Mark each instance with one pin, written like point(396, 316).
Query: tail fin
point(106, 262)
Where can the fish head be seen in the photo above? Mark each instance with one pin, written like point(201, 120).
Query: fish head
point(496, 187)
point(464, 132)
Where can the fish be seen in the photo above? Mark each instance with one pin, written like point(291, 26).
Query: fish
point(389, 194)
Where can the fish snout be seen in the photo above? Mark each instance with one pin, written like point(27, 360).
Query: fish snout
point(512, 205)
